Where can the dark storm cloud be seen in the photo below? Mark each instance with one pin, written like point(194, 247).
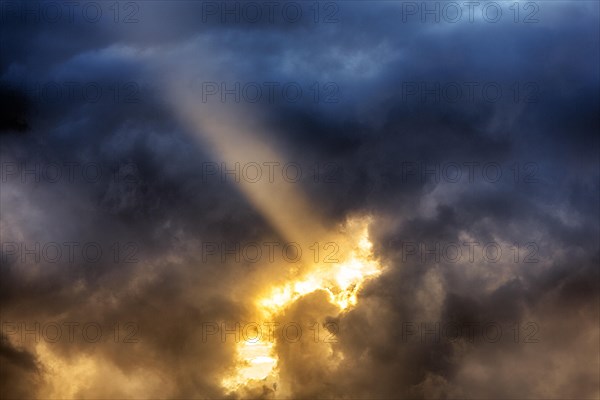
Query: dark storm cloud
point(14, 111)
point(20, 371)
point(371, 135)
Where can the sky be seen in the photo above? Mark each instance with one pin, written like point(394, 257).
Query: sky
point(298, 200)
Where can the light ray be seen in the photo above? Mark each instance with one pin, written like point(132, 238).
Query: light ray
point(288, 210)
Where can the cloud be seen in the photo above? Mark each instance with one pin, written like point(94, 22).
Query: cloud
point(83, 98)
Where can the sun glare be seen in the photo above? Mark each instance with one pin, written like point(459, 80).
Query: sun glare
point(341, 280)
